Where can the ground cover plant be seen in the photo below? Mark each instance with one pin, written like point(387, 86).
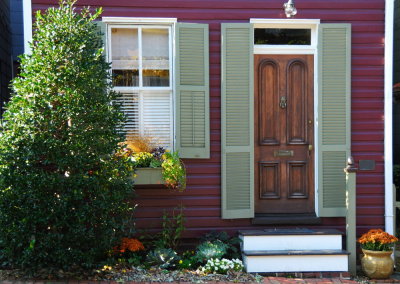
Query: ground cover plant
point(63, 190)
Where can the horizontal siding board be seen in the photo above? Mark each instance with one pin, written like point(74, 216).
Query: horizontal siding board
point(367, 94)
point(237, 4)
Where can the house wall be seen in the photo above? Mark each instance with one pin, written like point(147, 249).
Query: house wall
point(17, 29)
point(202, 199)
point(5, 52)
point(396, 80)
point(396, 65)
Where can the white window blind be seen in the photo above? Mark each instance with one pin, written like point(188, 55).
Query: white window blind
point(125, 49)
point(156, 117)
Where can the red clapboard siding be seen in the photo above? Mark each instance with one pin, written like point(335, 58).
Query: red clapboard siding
point(202, 200)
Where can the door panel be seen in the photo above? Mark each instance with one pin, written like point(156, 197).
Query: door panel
point(284, 129)
point(269, 187)
point(268, 103)
point(296, 106)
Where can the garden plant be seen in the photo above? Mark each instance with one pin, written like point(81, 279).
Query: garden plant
point(63, 190)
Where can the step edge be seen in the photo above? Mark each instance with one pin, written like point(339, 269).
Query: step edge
point(325, 232)
point(294, 252)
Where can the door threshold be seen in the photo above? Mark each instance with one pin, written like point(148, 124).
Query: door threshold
point(286, 219)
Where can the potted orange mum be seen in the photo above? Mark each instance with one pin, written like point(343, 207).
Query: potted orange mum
point(377, 247)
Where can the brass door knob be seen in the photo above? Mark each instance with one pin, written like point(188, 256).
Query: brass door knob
point(283, 102)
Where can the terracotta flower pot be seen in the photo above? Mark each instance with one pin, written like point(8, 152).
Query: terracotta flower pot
point(377, 264)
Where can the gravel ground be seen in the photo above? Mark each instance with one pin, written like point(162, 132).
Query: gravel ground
point(136, 274)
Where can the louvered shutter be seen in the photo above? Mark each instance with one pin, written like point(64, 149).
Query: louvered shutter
point(102, 29)
point(237, 121)
point(192, 90)
point(334, 64)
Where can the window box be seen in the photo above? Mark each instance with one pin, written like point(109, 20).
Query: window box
point(148, 176)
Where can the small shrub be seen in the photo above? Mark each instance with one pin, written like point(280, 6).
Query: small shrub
point(173, 227)
point(222, 266)
point(163, 258)
point(210, 250)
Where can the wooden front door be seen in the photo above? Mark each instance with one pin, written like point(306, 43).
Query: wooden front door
point(284, 134)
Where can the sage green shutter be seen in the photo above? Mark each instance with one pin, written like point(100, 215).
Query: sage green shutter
point(102, 29)
point(334, 65)
point(192, 91)
point(237, 121)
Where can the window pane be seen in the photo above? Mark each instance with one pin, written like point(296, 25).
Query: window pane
point(125, 78)
point(125, 57)
point(282, 36)
point(155, 60)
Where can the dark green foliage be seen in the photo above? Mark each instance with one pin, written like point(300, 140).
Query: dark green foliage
point(63, 190)
point(162, 257)
point(188, 261)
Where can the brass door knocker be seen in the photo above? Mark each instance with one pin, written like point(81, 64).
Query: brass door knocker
point(283, 102)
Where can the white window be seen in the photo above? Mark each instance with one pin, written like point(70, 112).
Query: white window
point(141, 57)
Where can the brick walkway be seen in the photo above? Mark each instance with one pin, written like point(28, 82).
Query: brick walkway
point(277, 280)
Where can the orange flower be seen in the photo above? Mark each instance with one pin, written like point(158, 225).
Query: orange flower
point(377, 239)
point(128, 244)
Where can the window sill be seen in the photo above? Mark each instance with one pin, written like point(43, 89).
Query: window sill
point(148, 176)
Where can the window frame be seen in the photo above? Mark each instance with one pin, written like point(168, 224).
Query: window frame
point(311, 24)
point(139, 24)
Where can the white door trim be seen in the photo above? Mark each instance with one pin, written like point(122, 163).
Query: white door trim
point(312, 24)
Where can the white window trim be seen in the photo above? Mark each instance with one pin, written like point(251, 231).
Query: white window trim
point(287, 24)
point(139, 23)
point(134, 20)
point(312, 24)
point(27, 20)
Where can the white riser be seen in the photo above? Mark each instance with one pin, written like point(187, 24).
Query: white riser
point(296, 263)
point(291, 242)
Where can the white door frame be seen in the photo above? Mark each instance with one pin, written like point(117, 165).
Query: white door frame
point(297, 49)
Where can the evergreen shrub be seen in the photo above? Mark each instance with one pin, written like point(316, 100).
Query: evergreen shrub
point(63, 188)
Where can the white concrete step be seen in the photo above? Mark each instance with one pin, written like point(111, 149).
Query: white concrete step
point(290, 239)
point(296, 261)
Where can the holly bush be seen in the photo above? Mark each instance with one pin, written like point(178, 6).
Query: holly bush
point(63, 190)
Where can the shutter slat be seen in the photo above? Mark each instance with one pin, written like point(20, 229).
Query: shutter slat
point(192, 91)
point(237, 121)
point(334, 117)
point(130, 107)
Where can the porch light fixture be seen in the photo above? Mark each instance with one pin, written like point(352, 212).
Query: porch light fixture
point(290, 9)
